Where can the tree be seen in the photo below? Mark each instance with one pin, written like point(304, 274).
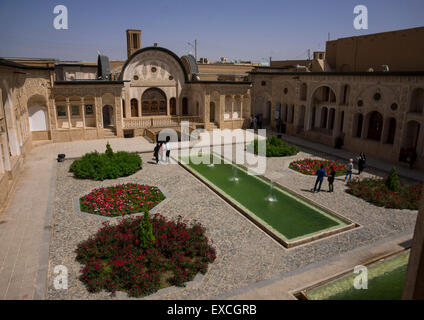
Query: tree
point(392, 181)
point(145, 232)
point(109, 151)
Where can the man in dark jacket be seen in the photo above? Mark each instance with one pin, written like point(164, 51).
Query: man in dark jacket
point(320, 177)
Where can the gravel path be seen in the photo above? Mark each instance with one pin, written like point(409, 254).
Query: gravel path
point(245, 254)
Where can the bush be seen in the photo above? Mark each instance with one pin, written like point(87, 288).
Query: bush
point(276, 148)
point(114, 260)
point(109, 165)
point(376, 192)
point(392, 181)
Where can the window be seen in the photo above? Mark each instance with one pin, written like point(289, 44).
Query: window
point(75, 110)
point(377, 96)
point(89, 109)
point(154, 102)
point(263, 83)
point(185, 106)
point(61, 111)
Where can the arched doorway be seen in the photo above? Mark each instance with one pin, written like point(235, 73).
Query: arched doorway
point(324, 117)
point(375, 126)
point(212, 112)
point(153, 102)
point(185, 106)
point(392, 131)
point(37, 118)
point(268, 113)
point(134, 108)
point(412, 132)
point(107, 115)
point(173, 106)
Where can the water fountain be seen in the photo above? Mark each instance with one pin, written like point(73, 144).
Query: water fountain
point(234, 177)
point(271, 197)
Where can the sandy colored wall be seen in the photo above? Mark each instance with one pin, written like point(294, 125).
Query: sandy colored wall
point(400, 50)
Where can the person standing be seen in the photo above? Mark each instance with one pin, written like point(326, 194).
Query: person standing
point(349, 169)
point(331, 178)
point(156, 152)
point(320, 177)
point(278, 125)
point(168, 149)
point(255, 122)
point(362, 160)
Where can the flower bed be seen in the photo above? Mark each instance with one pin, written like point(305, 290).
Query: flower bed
point(115, 260)
point(310, 166)
point(121, 199)
point(375, 191)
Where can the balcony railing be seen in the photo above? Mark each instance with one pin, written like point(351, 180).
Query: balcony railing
point(158, 122)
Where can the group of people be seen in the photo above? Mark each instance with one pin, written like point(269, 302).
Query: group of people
point(256, 121)
point(321, 174)
point(159, 150)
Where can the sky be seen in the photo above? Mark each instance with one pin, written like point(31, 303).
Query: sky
point(246, 30)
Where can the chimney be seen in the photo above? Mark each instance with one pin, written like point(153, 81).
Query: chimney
point(133, 41)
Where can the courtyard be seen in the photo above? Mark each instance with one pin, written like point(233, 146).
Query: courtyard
point(44, 231)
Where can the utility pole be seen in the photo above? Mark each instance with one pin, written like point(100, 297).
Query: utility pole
point(195, 49)
point(270, 58)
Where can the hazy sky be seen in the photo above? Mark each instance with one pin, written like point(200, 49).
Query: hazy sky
point(249, 30)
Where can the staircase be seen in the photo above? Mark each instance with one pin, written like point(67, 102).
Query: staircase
point(211, 126)
point(109, 132)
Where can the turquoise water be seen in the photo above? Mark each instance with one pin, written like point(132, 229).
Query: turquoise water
point(385, 282)
point(288, 215)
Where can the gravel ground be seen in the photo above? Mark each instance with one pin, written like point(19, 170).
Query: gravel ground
point(245, 254)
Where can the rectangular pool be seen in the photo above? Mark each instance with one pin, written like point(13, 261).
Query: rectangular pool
point(385, 282)
point(289, 218)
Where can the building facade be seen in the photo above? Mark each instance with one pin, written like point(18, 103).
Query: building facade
point(380, 113)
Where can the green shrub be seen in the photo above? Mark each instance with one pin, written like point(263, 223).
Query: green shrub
point(145, 232)
point(392, 181)
point(276, 148)
point(109, 165)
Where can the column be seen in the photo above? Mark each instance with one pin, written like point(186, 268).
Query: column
point(68, 112)
point(127, 105)
point(11, 125)
point(119, 117)
point(83, 112)
point(207, 106)
point(233, 100)
point(6, 153)
point(139, 107)
point(98, 112)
